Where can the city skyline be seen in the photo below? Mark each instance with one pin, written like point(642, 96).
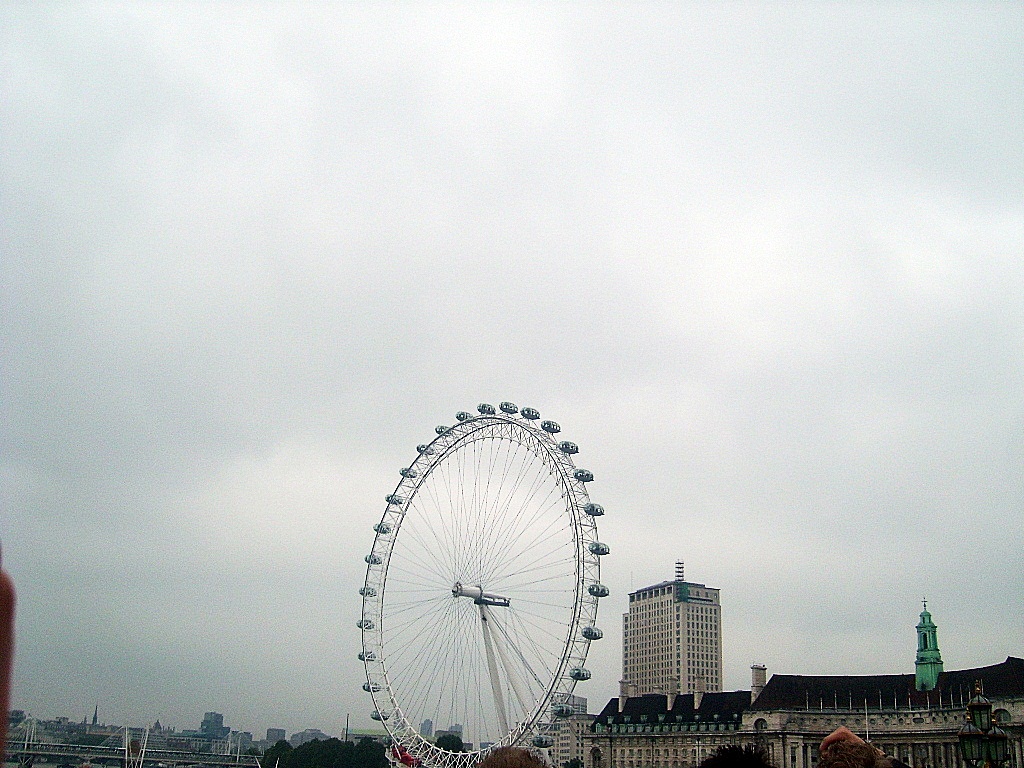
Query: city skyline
point(761, 263)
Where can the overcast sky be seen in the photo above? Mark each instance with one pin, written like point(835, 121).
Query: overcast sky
point(763, 262)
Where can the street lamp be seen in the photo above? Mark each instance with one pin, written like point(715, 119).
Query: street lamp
point(982, 744)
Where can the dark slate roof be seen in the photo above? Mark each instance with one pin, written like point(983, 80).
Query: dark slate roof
point(800, 691)
point(727, 705)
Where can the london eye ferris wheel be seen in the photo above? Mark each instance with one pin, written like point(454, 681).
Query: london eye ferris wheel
point(481, 590)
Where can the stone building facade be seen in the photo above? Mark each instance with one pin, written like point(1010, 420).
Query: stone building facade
point(915, 717)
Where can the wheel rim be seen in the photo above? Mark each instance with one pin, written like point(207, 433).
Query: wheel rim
point(478, 587)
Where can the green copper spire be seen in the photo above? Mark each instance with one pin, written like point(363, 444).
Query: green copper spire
point(929, 660)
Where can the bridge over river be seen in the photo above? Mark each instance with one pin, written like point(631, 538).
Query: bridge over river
point(34, 753)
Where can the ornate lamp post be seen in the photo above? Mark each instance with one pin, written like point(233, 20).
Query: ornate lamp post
point(982, 743)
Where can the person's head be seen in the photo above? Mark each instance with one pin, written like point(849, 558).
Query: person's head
point(852, 754)
point(750, 756)
point(510, 757)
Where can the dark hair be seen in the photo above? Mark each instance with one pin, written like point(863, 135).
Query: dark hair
point(848, 754)
point(510, 757)
point(750, 756)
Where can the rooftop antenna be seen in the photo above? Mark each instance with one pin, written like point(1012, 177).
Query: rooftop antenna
point(680, 571)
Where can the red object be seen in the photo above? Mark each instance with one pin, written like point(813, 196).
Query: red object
point(402, 756)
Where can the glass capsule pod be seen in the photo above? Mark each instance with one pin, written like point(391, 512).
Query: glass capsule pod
point(598, 548)
point(542, 741)
point(394, 498)
point(509, 408)
point(382, 528)
point(550, 427)
point(375, 715)
point(561, 710)
point(530, 413)
point(371, 688)
point(367, 656)
point(373, 559)
point(592, 509)
point(598, 590)
point(568, 448)
point(592, 633)
point(367, 591)
point(408, 472)
point(486, 409)
point(579, 673)
point(441, 429)
point(365, 624)
point(463, 415)
point(425, 449)
point(583, 475)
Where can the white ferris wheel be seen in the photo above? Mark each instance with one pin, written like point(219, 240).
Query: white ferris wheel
point(481, 589)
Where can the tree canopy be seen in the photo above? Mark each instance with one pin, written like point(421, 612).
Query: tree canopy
point(331, 753)
point(451, 742)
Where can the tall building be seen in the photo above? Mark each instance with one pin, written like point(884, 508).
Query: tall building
point(427, 729)
point(275, 735)
point(213, 726)
point(672, 639)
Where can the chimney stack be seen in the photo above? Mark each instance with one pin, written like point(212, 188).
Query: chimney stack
point(673, 691)
point(758, 679)
point(626, 690)
point(699, 688)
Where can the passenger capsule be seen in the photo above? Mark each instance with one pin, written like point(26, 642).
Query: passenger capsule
point(367, 591)
point(594, 510)
point(583, 475)
point(425, 449)
point(569, 448)
point(372, 559)
point(592, 633)
point(562, 710)
point(365, 624)
point(394, 498)
point(598, 548)
point(382, 528)
point(371, 688)
point(375, 715)
point(551, 427)
point(441, 429)
point(408, 472)
point(542, 741)
point(463, 415)
point(598, 590)
point(579, 673)
point(486, 409)
point(509, 408)
point(530, 413)
point(367, 656)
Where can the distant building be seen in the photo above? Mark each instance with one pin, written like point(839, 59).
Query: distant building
point(310, 734)
point(427, 728)
point(568, 734)
point(672, 639)
point(213, 726)
point(275, 735)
